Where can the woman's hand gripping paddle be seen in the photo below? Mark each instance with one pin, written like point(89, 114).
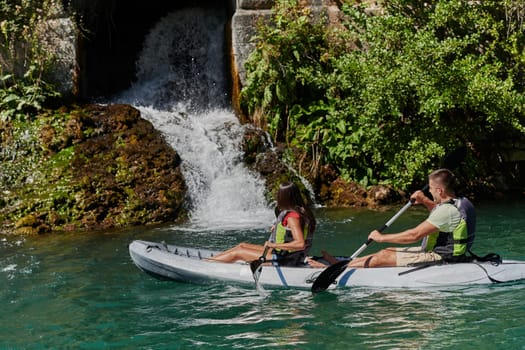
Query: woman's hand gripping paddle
point(330, 274)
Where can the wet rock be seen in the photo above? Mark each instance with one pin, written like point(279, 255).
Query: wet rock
point(129, 174)
point(340, 193)
point(255, 142)
point(92, 167)
point(26, 221)
point(31, 224)
point(330, 189)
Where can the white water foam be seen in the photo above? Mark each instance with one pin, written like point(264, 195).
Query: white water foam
point(181, 91)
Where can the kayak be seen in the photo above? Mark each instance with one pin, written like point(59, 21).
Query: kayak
point(192, 265)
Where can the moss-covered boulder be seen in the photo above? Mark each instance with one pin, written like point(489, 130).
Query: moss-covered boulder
point(86, 168)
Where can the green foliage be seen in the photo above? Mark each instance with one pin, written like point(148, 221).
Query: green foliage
point(23, 58)
point(285, 69)
point(36, 172)
point(386, 97)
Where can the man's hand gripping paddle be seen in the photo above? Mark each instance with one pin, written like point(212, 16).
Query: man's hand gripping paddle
point(330, 274)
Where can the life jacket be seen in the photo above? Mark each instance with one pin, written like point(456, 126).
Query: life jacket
point(468, 213)
point(468, 216)
point(452, 246)
point(282, 234)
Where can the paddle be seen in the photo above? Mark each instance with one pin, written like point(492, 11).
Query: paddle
point(330, 274)
point(256, 267)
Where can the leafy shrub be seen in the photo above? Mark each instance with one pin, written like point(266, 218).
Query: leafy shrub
point(386, 96)
point(23, 59)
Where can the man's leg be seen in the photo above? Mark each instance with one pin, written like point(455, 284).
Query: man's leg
point(383, 258)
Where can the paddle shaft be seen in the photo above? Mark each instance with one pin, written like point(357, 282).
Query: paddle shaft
point(384, 227)
point(330, 274)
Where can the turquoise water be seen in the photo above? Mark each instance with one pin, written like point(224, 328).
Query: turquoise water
point(83, 292)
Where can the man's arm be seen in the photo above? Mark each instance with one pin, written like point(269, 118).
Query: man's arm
point(406, 237)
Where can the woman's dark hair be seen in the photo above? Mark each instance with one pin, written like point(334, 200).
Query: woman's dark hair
point(289, 198)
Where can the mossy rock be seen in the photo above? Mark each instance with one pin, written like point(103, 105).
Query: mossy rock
point(88, 168)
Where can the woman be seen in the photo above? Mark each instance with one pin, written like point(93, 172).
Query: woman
point(291, 237)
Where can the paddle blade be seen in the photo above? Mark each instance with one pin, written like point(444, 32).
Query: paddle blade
point(257, 274)
point(258, 286)
point(254, 265)
point(328, 276)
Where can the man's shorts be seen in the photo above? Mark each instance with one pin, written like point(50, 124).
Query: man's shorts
point(409, 256)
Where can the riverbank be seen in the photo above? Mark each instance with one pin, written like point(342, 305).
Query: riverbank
point(98, 167)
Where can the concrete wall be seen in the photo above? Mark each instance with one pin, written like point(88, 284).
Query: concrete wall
point(243, 29)
point(99, 61)
point(60, 36)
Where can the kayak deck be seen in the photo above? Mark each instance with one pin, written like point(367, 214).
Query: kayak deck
point(192, 265)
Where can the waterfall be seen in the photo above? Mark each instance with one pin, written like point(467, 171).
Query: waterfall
point(181, 89)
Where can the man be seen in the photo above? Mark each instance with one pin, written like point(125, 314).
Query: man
point(444, 233)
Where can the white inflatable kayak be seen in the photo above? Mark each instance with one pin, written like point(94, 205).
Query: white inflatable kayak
point(191, 265)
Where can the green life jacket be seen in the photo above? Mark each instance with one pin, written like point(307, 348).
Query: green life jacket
point(282, 234)
point(452, 246)
point(468, 212)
